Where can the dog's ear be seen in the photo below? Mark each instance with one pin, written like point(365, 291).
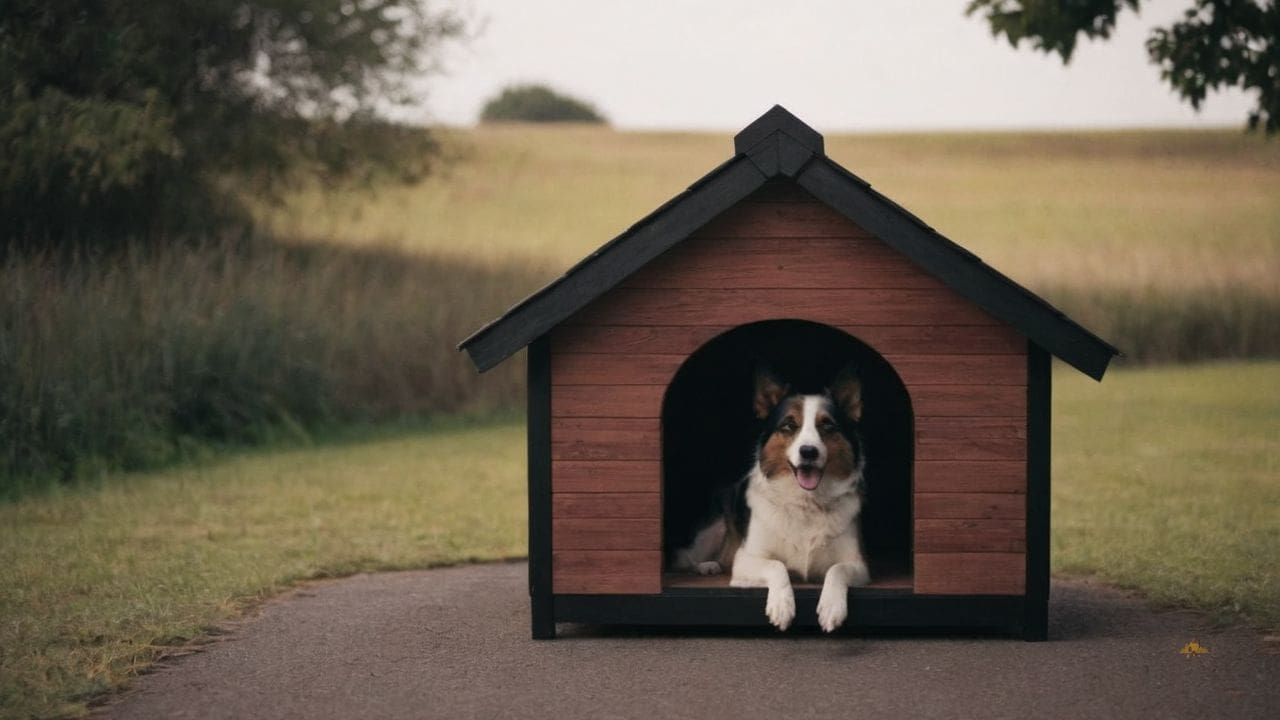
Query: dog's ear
point(769, 391)
point(846, 391)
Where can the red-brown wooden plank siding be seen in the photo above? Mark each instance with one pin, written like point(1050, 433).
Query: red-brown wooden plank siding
point(970, 573)
point(611, 364)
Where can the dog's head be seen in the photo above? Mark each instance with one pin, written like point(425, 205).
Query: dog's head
point(811, 440)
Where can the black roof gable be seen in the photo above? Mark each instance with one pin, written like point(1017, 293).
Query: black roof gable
point(780, 145)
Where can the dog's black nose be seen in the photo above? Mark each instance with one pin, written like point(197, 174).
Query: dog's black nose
point(808, 452)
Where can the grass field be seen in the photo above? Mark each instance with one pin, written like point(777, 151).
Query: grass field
point(95, 584)
point(1166, 481)
point(1148, 208)
point(1165, 243)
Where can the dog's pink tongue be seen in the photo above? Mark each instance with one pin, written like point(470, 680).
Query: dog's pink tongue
point(808, 477)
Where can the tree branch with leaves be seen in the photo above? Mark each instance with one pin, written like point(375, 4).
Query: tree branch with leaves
point(1216, 44)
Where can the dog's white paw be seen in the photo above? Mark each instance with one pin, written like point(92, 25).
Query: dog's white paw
point(833, 607)
point(780, 607)
point(710, 567)
point(741, 582)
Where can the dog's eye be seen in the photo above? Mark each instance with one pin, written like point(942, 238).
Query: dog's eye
point(827, 427)
point(787, 426)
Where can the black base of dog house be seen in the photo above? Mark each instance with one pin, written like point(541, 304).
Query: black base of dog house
point(735, 607)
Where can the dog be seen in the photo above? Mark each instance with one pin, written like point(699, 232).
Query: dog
point(796, 511)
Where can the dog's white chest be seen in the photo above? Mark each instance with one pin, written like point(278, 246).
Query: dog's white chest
point(806, 537)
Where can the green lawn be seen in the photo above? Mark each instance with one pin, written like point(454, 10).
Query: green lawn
point(1164, 480)
point(1168, 481)
point(95, 584)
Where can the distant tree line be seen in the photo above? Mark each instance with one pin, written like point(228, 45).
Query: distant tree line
point(121, 116)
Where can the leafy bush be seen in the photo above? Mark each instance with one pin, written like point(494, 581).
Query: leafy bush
point(116, 118)
point(538, 103)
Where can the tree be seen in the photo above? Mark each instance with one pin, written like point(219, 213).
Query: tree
point(537, 103)
point(122, 115)
point(1218, 43)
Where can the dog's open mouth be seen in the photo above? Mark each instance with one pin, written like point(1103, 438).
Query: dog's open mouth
point(808, 476)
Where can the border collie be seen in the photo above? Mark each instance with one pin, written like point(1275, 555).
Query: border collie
point(796, 511)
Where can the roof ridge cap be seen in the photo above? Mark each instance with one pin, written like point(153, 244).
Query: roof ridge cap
point(778, 119)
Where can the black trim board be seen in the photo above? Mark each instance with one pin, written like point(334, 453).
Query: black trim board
point(745, 608)
point(541, 601)
point(779, 145)
point(1035, 625)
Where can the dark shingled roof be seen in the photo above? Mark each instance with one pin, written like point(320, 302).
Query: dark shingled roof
point(779, 145)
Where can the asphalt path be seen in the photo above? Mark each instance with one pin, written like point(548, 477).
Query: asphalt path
point(454, 643)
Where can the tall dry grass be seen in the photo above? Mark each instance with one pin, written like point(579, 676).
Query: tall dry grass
point(136, 359)
point(1166, 243)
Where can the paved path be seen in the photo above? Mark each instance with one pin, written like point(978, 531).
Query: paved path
point(454, 643)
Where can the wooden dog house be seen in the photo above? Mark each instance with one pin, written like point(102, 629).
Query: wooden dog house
point(639, 370)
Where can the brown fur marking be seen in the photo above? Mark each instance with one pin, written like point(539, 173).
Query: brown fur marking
point(840, 454)
point(773, 456)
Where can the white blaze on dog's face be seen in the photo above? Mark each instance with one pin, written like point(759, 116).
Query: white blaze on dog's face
point(811, 438)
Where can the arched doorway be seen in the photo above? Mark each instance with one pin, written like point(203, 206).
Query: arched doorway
point(709, 430)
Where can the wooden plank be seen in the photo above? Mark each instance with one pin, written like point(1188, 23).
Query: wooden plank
point(956, 535)
point(969, 506)
point(960, 370)
point(970, 476)
point(607, 476)
point(605, 439)
point(781, 220)
point(737, 306)
point(646, 505)
point(961, 428)
point(607, 534)
point(970, 449)
point(652, 340)
point(616, 584)
point(606, 571)
point(598, 369)
point(620, 401)
point(885, 339)
point(940, 339)
point(987, 573)
point(783, 263)
point(969, 400)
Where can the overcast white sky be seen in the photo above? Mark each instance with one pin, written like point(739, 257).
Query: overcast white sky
point(838, 64)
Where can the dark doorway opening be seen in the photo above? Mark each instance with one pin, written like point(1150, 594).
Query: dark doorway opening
point(709, 430)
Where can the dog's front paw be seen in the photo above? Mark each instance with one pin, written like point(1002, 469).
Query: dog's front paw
point(780, 607)
point(710, 567)
point(833, 607)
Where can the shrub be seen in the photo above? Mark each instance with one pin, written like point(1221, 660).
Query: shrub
point(160, 352)
point(537, 103)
